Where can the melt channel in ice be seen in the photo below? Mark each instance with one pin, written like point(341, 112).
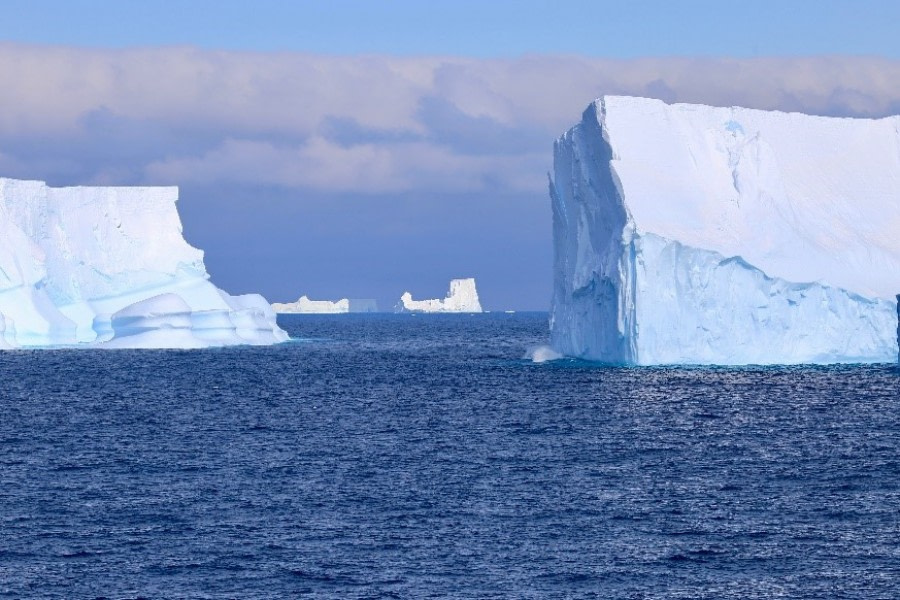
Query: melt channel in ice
point(108, 267)
point(695, 234)
point(462, 298)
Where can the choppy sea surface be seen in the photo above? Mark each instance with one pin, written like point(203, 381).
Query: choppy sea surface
point(393, 456)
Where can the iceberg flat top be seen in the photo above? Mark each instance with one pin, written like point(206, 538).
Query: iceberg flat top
point(804, 198)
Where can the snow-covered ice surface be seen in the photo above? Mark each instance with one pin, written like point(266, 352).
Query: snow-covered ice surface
point(696, 234)
point(306, 306)
point(462, 298)
point(108, 266)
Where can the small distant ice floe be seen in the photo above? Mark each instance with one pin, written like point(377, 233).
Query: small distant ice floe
point(462, 298)
point(326, 307)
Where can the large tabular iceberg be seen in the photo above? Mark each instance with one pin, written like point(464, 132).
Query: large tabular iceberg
point(108, 266)
point(694, 234)
point(462, 298)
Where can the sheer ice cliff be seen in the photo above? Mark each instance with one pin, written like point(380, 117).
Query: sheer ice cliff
point(695, 234)
point(462, 298)
point(108, 267)
point(326, 307)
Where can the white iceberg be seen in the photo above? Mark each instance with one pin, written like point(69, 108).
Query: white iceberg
point(695, 234)
point(108, 266)
point(346, 305)
point(462, 298)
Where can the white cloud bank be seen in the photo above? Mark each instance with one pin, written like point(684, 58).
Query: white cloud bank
point(370, 124)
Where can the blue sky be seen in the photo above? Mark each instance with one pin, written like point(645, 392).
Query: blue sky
point(470, 28)
point(367, 148)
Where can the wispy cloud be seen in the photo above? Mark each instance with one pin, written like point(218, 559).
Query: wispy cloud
point(371, 124)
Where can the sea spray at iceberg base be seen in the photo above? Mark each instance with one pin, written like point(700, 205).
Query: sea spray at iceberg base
point(701, 235)
point(542, 354)
point(108, 266)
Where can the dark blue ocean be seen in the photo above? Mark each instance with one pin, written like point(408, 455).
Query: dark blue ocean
point(393, 456)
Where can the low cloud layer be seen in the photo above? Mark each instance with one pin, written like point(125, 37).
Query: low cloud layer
point(364, 176)
point(367, 125)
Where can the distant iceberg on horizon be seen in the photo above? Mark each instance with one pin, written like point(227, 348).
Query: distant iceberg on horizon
point(690, 234)
point(461, 298)
point(108, 267)
point(326, 307)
